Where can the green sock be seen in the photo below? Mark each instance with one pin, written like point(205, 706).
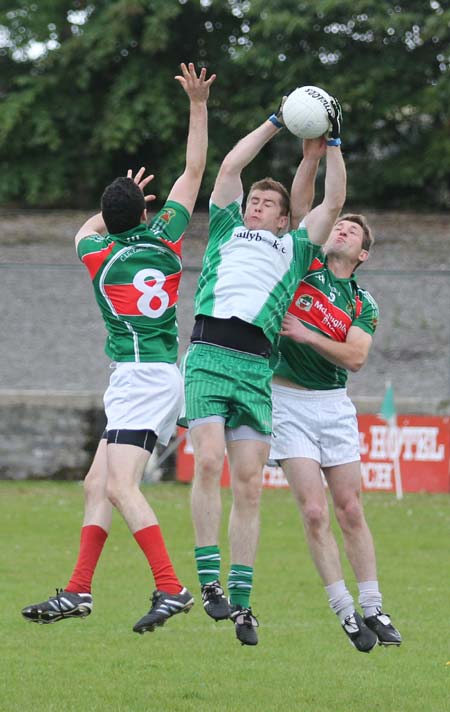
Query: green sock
point(207, 559)
point(240, 580)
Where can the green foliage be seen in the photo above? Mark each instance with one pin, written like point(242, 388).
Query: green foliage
point(303, 660)
point(102, 97)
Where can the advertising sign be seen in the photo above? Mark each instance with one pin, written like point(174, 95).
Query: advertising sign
point(419, 444)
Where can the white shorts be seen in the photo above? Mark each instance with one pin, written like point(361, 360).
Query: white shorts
point(319, 425)
point(144, 396)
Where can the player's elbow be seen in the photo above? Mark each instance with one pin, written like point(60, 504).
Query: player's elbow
point(228, 168)
point(356, 363)
point(195, 169)
point(334, 203)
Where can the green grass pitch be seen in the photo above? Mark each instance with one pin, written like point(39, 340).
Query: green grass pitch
point(303, 661)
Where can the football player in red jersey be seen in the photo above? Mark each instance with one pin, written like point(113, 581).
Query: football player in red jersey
point(326, 333)
point(135, 269)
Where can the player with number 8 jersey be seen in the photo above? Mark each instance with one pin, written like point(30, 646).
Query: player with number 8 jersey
point(136, 275)
point(135, 267)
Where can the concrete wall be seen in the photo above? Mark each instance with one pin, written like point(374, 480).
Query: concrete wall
point(53, 369)
point(54, 434)
point(48, 435)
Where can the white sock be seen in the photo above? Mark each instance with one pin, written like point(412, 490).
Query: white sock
point(369, 597)
point(340, 599)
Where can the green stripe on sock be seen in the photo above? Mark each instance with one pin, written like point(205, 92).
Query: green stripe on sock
point(207, 559)
point(240, 582)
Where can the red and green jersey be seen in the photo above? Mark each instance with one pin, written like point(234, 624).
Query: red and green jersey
point(135, 276)
point(330, 306)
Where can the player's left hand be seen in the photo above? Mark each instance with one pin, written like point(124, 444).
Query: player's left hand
point(141, 182)
point(335, 116)
point(294, 329)
point(196, 87)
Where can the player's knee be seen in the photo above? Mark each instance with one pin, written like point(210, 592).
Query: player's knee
point(247, 487)
point(350, 515)
point(315, 516)
point(115, 492)
point(111, 494)
point(93, 485)
point(208, 466)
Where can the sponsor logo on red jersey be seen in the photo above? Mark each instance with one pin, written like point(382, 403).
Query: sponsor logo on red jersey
point(311, 306)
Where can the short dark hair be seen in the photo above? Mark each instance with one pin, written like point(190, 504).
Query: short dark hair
point(271, 184)
point(361, 220)
point(122, 205)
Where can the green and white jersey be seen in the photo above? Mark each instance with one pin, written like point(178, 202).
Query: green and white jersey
point(250, 274)
point(330, 306)
point(135, 276)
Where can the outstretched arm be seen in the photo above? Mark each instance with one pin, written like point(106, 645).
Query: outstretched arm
point(302, 189)
point(350, 354)
point(322, 218)
point(228, 185)
point(186, 187)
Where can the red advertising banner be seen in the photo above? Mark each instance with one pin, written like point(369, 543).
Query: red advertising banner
point(419, 443)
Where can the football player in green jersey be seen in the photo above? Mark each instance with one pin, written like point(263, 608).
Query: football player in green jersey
point(327, 332)
point(251, 268)
point(135, 270)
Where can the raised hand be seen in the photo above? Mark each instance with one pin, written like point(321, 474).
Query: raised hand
point(314, 148)
point(335, 117)
point(277, 117)
point(196, 87)
point(142, 182)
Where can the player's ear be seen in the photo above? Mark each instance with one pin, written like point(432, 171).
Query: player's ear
point(363, 256)
point(283, 222)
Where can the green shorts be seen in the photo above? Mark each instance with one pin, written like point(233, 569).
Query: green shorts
point(231, 384)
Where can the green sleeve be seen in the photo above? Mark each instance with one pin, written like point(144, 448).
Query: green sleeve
point(170, 222)
point(368, 318)
point(88, 244)
point(223, 220)
point(305, 250)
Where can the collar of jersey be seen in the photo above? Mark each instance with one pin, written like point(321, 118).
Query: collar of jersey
point(130, 237)
point(351, 279)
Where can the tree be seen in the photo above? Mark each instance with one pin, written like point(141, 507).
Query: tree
point(101, 100)
point(100, 97)
point(390, 65)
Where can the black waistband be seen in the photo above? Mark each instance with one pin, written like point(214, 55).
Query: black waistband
point(231, 333)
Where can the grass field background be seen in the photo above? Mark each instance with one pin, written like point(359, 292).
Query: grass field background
point(303, 661)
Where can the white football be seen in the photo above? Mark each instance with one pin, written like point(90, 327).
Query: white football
point(305, 112)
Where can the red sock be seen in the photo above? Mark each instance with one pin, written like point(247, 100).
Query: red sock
point(151, 541)
point(92, 541)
